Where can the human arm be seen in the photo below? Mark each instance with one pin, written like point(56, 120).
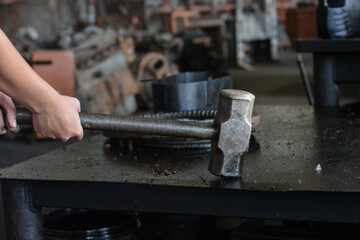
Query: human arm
point(54, 116)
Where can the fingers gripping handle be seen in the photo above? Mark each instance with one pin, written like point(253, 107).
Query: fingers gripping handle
point(23, 116)
point(4, 118)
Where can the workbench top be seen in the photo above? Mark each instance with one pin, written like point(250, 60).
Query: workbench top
point(330, 45)
point(294, 142)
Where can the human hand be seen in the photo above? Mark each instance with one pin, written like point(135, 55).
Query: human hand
point(59, 119)
point(7, 104)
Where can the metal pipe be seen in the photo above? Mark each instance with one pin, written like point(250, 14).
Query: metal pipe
point(146, 126)
point(305, 80)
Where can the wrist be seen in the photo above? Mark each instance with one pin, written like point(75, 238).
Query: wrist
point(45, 102)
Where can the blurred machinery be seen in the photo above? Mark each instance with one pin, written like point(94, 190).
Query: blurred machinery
point(136, 41)
point(256, 22)
point(104, 80)
point(301, 23)
point(95, 71)
point(228, 31)
point(336, 52)
point(238, 30)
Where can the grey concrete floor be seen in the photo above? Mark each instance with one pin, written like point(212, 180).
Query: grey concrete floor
point(275, 83)
point(279, 82)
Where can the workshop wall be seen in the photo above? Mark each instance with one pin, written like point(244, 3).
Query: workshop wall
point(46, 17)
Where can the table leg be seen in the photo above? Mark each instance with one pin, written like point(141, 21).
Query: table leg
point(23, 221)
point(326, 91)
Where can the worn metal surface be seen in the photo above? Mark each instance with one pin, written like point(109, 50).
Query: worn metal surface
point(233, 119)
point(279, 180)
point(293, 141)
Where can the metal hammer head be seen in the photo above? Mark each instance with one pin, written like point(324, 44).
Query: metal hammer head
point(233, 120)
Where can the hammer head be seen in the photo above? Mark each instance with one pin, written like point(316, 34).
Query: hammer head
point(233, 120)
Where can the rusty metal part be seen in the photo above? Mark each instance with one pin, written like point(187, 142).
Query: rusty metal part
point(94, 57)
point(96, 49)
point(108, 87)
point(57, 68)
point(122, 87)
point(233, 120)
point(152, 66)
point(127, 46)
point(104, 81)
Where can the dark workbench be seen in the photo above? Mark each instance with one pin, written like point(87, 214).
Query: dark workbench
point(340, 45)
point(336, 61)
point(279, 179)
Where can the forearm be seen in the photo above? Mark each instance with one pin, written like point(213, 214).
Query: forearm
point(20, 81)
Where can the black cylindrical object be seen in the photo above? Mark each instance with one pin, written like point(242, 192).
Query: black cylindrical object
point(80, 224)
point(189, 91)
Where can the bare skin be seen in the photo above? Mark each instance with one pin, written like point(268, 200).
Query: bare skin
point(54, 116)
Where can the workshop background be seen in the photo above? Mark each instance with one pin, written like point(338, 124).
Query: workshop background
point(110, 53)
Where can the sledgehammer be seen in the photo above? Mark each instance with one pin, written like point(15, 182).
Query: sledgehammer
point(230, 131)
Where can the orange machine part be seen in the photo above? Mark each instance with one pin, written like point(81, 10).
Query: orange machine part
point(57, 68)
